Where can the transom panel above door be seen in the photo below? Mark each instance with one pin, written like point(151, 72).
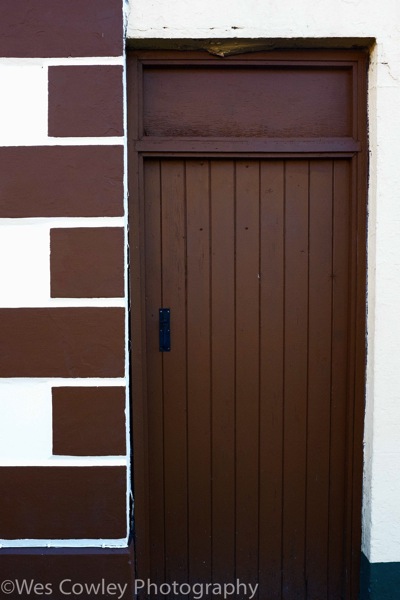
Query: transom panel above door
point(248, 202)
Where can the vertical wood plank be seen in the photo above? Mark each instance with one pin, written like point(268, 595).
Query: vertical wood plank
point(319, 377)
point(247, 368)
point(138, 410)
point(295, 379)
point(174, 370)
point(223, 369)
point(340, 306)
point(271, 378)
point(198, 369)
point(353, 367)
point(152, 190)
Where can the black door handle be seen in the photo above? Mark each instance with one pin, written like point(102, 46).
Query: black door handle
point(165, 329)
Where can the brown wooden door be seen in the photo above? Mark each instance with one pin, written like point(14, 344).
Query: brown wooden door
point(249, 469)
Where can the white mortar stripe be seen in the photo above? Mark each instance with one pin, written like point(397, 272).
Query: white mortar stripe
point(83, 141)
point(67, 461)
point(68, 381)
point(65, 303)
point(62, 62)
point(126, 293)
point(85, 302)
point(70, 141)
point(53, 222)
point(65, 543)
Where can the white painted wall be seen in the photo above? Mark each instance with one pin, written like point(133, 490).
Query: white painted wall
point(379, 19)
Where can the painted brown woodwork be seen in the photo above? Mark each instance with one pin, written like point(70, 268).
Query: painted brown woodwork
point(87, 262)
point(85, 101)
point(62, 502)
point(52, 28)
point(56, 181)
point(89, 421)
point(62, 342)
point(182, 101)
point(70, 565)
point(248, 433)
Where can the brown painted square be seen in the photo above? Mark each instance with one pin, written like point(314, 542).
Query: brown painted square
point(62, 342)
point(85, 101)
point(57, 28)
point(89, 421)
point(87, 262)
point(61, 181)
point(62, 502)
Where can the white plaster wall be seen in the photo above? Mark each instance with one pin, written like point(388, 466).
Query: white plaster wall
point(25, 421)
point(379, 19)
point(23, 113)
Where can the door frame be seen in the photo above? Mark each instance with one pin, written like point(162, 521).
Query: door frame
point(357, 150)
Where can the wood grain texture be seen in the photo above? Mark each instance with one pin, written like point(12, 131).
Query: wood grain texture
point(295, 379)
point(246, 424)
point(175, 396)
point(272, 239)
point(152, 185)
point(319, 375)
point(222, 182)
point(197, 178)
point(247, 367)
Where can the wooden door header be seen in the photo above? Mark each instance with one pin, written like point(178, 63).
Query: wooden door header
point(275, 102)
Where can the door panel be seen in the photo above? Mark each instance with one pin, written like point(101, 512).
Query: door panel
point(247, 412)
point(198, 369)
point(222, 185)
point(272, 300)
